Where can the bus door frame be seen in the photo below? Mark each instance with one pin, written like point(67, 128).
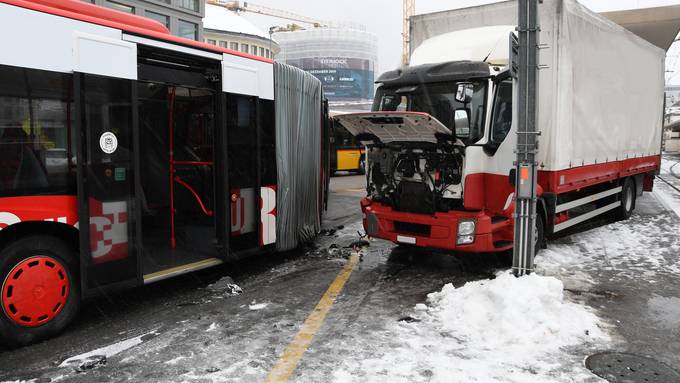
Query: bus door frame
point(220, 158)
point(82, 192)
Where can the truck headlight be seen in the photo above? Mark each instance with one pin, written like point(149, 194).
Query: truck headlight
point(466, 228)
point(466, 232)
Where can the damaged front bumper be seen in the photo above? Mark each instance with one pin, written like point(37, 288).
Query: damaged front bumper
point(466, 231)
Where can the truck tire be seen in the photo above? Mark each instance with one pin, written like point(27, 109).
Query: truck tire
point(624, 211)
point(539, 231)
point(40, 289)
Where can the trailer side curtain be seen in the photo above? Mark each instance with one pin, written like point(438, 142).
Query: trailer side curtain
point(297, 97)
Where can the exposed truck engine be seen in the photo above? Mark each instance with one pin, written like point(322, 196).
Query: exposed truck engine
point(417, 178)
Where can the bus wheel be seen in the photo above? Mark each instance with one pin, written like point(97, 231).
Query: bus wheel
point(40, 290)
point(362, 165)
point(624, 211)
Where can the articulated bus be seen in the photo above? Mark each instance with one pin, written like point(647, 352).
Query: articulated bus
point(129, 155)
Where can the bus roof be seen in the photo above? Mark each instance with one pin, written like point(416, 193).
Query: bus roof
point(142, 26)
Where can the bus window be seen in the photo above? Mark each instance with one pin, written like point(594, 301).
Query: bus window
point(36, 115)
point(243, 177)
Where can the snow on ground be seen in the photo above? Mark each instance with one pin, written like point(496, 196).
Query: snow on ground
point(108, 351)
point(258, 306)
point(670, 171)
point(502, 330)
point(622, 250)
point(644, 248)
point(526, 330)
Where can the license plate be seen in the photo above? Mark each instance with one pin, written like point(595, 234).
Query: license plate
point(404, 239)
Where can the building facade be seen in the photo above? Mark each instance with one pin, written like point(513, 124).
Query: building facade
point(181, 17)
point(672, 95)
point(343, 59)
point(230, 30)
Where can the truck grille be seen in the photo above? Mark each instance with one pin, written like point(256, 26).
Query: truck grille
point(414, 197)
point(412, 228)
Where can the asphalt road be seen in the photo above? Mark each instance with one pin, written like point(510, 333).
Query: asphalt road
point(184, 330)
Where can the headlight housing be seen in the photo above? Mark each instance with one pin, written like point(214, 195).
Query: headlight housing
point(466, 228)
point(466, 232)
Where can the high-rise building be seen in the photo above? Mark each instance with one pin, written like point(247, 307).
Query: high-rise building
point(343, 58)
point(181, 17)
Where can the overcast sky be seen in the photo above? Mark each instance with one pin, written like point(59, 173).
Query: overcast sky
point(383, 18)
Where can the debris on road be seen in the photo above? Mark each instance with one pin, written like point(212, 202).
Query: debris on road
point(225, 287)
point(91, 362)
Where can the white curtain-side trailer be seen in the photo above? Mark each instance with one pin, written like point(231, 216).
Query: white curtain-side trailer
point(442, 134)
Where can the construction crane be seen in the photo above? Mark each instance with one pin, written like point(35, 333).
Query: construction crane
point(409, 9)
point(246, 6)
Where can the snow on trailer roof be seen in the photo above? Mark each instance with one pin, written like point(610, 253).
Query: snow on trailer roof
point(137, 25)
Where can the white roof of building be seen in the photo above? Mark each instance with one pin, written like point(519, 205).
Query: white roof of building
point(222, 19)
point(659, 25)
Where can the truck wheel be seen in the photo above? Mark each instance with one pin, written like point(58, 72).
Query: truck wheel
point(624, 211)
point(539, 233)
point(40, 289)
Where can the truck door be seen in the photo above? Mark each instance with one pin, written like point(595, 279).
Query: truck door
point(106, 153)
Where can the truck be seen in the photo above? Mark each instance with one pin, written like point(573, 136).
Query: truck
point(442, 133)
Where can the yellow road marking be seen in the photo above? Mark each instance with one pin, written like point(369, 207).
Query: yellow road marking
point(289, 360)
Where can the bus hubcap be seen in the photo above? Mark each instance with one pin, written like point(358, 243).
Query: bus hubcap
point(35, 291)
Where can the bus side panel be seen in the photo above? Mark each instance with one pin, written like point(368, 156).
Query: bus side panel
point(62, 209)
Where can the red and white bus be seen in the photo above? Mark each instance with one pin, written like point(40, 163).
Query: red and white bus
point(129, 155)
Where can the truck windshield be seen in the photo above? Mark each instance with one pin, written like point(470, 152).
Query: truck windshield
point(438, 100)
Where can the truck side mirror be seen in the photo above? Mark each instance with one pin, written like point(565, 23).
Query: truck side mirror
point(461, 122)
point(464, 92)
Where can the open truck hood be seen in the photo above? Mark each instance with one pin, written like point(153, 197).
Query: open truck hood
point(393, 126)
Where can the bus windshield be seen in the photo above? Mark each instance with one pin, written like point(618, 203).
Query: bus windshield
point(438, 100)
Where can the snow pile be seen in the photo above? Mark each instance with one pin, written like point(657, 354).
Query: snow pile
point(505, 329)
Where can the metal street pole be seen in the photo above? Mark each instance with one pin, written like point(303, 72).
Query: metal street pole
point(527, 143)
